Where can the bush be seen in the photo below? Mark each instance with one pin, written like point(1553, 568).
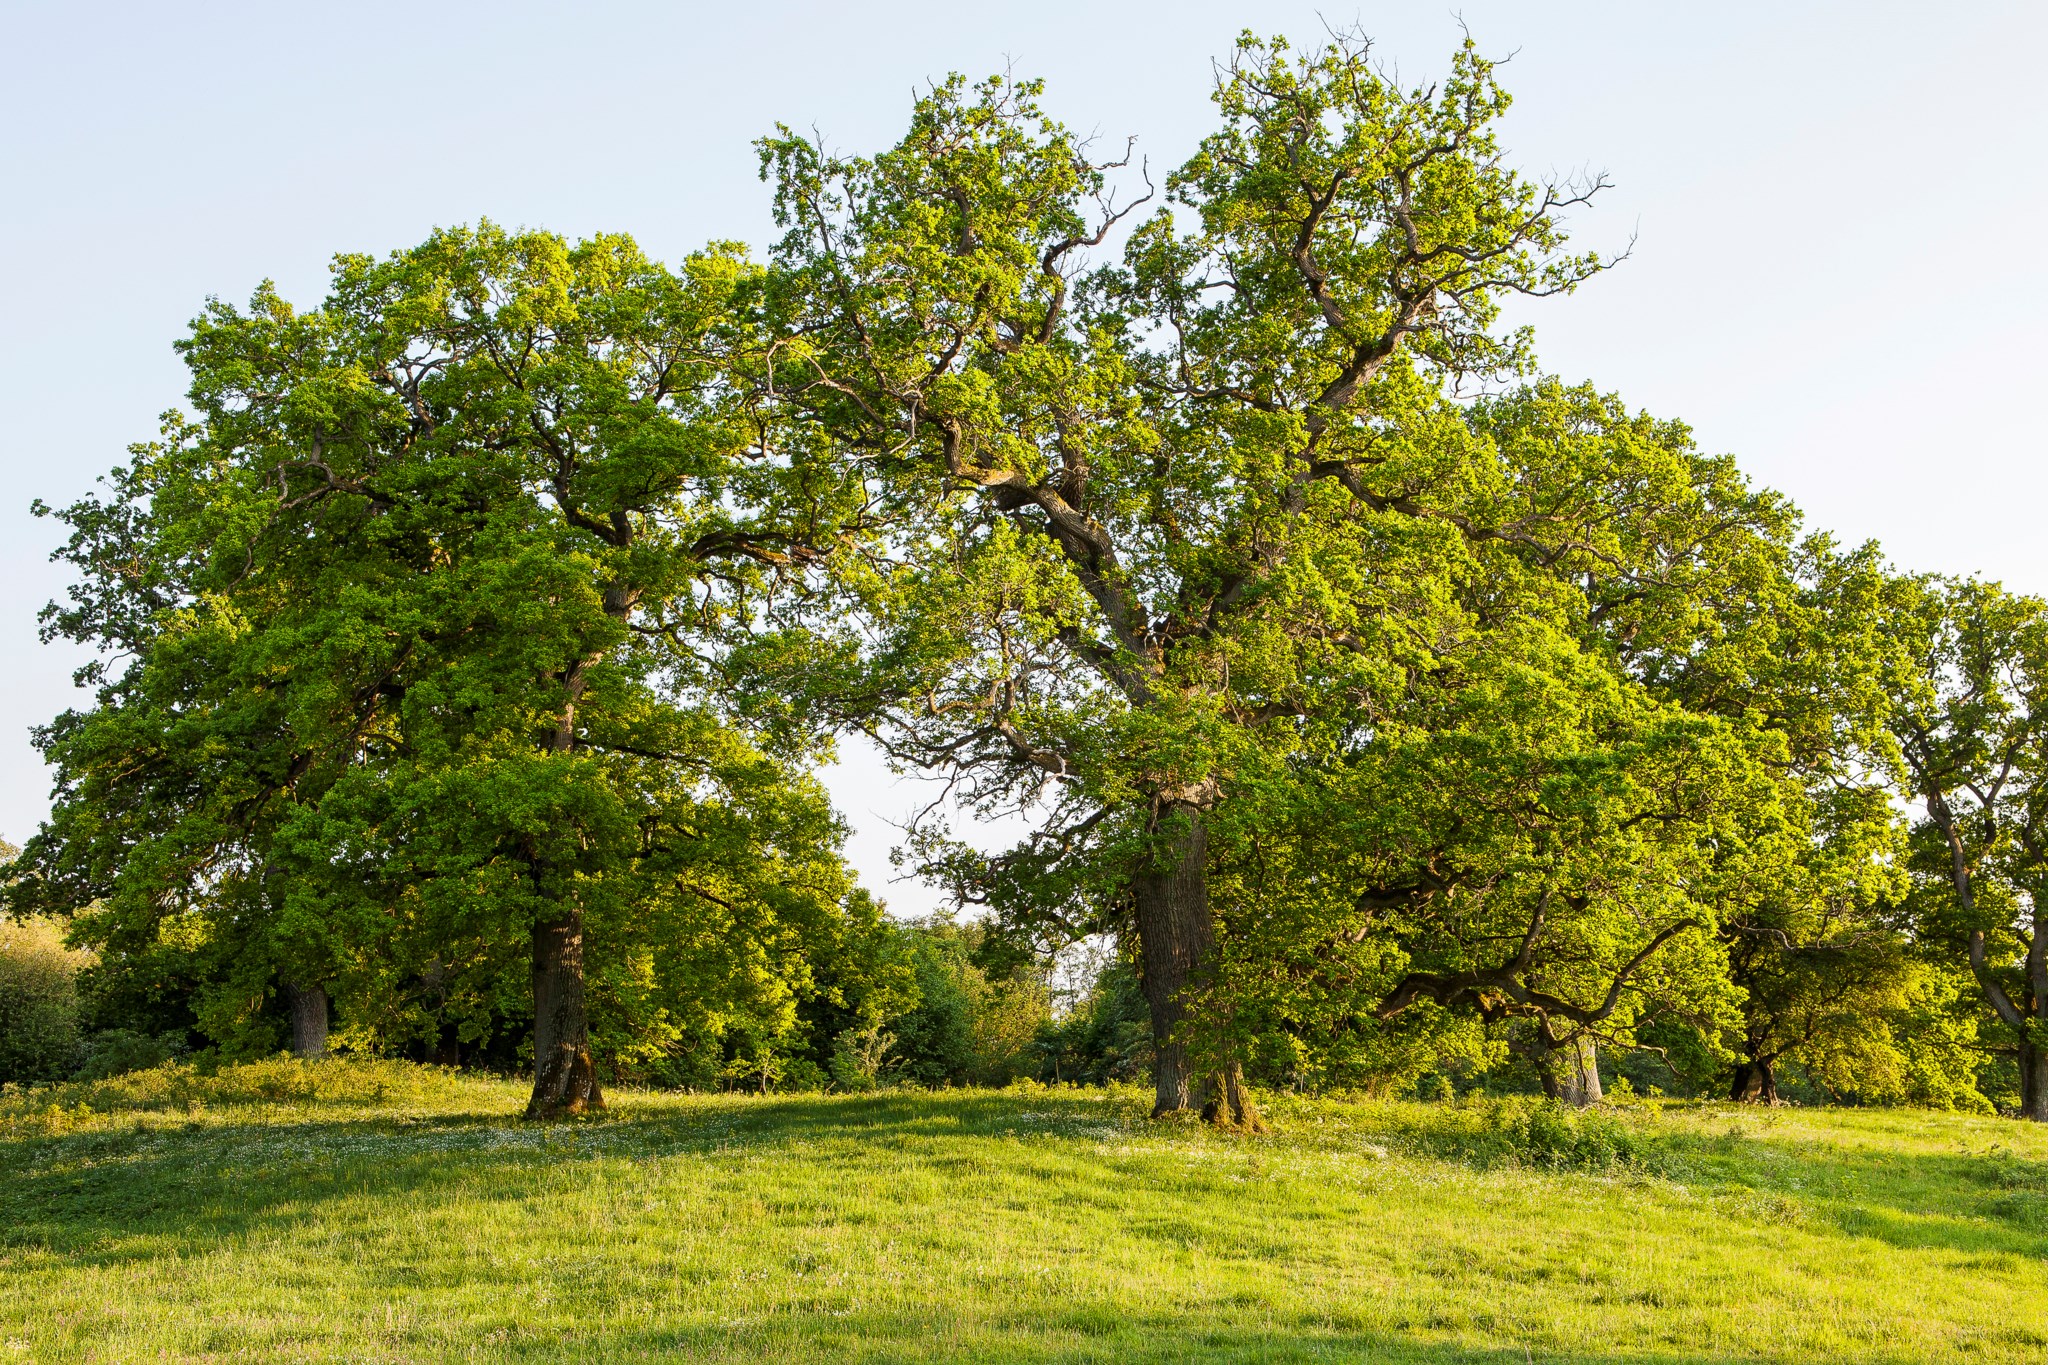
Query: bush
point(1107, 1036)
point(274, 1080)
point(860, 1059)
point(1525, 1131)
point(966, 1028)
point(39, 1038)
point(117, 1051)
point(147, 989)
point(800, 1076)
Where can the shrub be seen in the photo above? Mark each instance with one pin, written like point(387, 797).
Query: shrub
point(966, 1028)
point(117, 1051)
point(1526, 1131)
point(147, 989)
point(1105, 1038)
point(934, 1039)
point(860, 1058)
point(38, 1001)
point(801, 1076)
point(273, 1080)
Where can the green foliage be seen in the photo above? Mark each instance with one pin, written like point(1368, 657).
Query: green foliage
point(1447, 696)
point(966, 1028)
point(39, 1032)
point(152, 989)
point(189, 1087)
point(1971, 724)
point(1527, 1131)
point(860, 1059)
point(504, 600)
point(1104, 1038)
point(1942, 1061)
point(115, 1052)
point(426, 609)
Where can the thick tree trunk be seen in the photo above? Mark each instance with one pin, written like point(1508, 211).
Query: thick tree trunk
point(2034, 1082)
point(1756, 1081)
point(309, 1019)
point(564, 1080)
point(1578, 1072)
point(1175, 938)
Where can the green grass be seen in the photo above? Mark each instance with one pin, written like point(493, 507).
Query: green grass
point(388, 1213)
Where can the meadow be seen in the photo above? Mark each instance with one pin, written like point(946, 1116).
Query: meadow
point(387, 1212)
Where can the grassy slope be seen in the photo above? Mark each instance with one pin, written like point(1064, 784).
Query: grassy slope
point(402, 1215)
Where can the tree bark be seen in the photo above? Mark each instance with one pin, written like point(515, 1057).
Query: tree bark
point(2034, 1082)
point(309, 1019)
point(1767, 1082)
point(564, 1079)
point(1229, 1103)
point(1756, 1081)
point(1578, 1072)
point(1175, 938)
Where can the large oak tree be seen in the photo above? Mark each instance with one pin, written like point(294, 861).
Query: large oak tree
point(417, 629)
point(1171, 532)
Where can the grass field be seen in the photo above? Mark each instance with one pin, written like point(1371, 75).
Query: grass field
point(377, 1212)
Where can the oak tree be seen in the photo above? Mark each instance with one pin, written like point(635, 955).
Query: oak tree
point(1972, 727)
point(417, 628)
point(1169, 532)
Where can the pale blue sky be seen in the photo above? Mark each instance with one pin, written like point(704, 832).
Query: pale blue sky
point(1837, 209)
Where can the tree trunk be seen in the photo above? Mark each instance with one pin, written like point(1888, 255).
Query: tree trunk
point(309, 1019)
point(1756, 1081)
point(2034, 1082)
point(1175, 938)
point(1229, 1104)
point(1767, 1081)
point(1578, 1072)
point(564, 1080)
point(2034, 1041)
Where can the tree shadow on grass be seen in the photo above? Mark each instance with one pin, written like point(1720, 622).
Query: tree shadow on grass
point(1974, 1205)
point(113, 1196)
point(116, 1198)
point(110, 1195)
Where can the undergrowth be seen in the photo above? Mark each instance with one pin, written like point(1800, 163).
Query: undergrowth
point(185, 1086)
point(1520, 1131)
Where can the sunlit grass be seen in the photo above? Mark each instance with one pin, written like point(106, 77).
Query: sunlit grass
point(391, 1213)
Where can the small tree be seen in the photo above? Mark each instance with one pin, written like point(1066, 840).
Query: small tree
point(39, 1033)
point(1972, 725)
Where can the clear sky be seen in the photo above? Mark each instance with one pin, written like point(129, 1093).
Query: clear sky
point(1836, 209)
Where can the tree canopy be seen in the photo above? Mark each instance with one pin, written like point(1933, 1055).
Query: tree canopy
point(1393, 705)
point(424, 616)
